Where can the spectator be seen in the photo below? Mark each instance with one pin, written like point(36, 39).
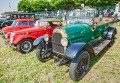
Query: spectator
point(107, 14)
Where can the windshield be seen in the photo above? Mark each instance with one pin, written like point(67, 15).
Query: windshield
point(81, 16)
point(38, 23)
point(14, 23)
point(8, 17)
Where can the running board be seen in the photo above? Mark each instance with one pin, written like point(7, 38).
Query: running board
point(101, 46)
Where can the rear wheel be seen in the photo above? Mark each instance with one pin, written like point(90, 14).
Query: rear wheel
point(5, 24)
point(41, 53)
point(79, 66)
point(25, 46)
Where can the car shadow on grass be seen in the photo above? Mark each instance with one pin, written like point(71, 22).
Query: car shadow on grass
point(97, 57)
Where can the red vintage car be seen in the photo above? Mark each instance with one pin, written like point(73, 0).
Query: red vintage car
point(18, 24)
point(23, 39)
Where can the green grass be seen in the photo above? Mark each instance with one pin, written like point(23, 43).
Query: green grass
point(25, 68)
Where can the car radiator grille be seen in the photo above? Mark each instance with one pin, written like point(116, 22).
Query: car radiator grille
point(57, 47)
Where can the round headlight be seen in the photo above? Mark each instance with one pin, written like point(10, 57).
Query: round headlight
point(46, 37)
point(64, 41)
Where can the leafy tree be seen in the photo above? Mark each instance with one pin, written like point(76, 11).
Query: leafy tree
point(40, 5)
point(52, 4)
point(24, 5)
point(100, 3)
point(37, 5)
point(79, 2)
point(63, 4)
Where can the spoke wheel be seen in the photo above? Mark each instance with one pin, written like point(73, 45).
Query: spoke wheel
point(82, 66)
point(42, 54)
point(5, 24)
point(25, 46)
point(79, 66)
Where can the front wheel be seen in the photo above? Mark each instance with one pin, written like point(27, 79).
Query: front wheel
point(42, 54)
point(79, 66)
point(25, 46)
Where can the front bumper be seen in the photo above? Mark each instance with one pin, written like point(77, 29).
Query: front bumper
point(1, 33)
point(9, 44)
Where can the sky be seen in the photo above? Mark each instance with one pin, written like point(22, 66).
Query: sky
point(4, 5)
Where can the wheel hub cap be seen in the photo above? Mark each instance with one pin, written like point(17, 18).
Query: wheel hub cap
point(26, 46)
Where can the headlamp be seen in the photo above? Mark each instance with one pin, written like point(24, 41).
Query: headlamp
point(64, 41)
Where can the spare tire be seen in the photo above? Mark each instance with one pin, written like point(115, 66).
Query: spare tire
point(5, 24)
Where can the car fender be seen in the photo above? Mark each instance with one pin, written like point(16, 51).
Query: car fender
point(112, 31)
point(19, 38)
point(75, 48)
point(38, 41)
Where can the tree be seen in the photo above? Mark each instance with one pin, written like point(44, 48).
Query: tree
point(63, 4)
point(100, 3)
point(24, 5)
point(52, 4)
point(40, 5)
point(79, 2)
point(36, 6)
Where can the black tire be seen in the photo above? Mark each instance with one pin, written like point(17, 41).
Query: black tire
point(21, 46)
point(112, 42)
point(78, 68)
point(5, 24)
point(40, 52)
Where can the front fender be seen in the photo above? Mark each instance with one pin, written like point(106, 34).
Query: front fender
point(111, 32)
point(19, 38)
point(38, 40)
point(75, 48)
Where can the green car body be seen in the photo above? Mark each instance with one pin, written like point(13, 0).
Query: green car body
point(83, 32)
point(76, 43)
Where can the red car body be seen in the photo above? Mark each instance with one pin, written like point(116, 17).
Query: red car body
point(16, 25)
point(31, 34)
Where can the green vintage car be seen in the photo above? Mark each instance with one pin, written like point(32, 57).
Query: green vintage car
point(76, 43)
point(11, 17)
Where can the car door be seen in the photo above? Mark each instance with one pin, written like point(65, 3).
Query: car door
point(23, 25)
point(31, 24)
point(87, 34)
point(97, 32)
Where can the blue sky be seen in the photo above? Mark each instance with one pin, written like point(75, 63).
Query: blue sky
point(4, 5)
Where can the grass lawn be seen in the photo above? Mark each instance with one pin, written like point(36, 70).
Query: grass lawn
point(25, 68)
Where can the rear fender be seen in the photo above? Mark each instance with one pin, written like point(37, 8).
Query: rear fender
point(18, 39)
point(75, 48)
point(112, 31)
